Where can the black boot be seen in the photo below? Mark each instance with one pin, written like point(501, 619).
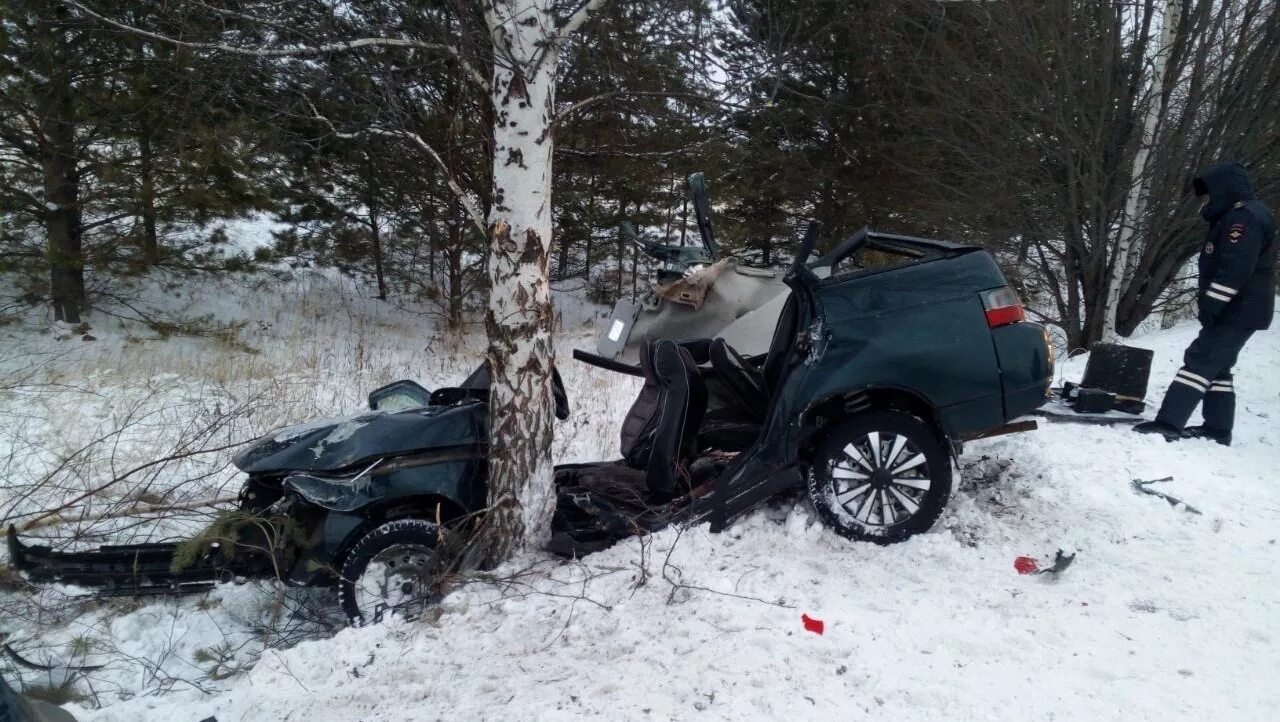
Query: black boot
point(1219, 411)
point(1204, 432)
point(1168, 431)
point(1180, 400)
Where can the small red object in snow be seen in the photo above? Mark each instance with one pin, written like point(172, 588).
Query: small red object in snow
point(1026, 565)
point(811, 624)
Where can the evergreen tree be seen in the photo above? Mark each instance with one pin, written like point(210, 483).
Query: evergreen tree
point(107, 139)
point(638, 122)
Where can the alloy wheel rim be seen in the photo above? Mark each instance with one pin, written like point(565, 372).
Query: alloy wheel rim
point(880, 479)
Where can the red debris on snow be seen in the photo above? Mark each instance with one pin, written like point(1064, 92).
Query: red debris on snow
point(812, 625)
point(1026, 565)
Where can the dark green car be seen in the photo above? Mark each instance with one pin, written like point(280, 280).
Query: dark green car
point(877, 372)
point(889, 353)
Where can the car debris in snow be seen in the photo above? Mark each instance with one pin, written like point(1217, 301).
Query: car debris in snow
point(1113, 389)
point(1026, 565)
point(1144, 487)
point(25, 663)
point(1029, 565)
point(812, 625)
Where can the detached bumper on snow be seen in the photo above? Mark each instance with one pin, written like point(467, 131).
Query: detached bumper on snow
point(118, 570)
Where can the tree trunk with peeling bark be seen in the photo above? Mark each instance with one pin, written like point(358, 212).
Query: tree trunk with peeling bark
point(519, 313)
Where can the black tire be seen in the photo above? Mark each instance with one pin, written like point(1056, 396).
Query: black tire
point(403, 546)
point(883, 491)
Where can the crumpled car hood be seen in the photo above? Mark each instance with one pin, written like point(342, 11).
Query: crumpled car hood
point(337, 444)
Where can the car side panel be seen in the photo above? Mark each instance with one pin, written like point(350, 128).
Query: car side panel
point(918, 327)
point(1025, 367)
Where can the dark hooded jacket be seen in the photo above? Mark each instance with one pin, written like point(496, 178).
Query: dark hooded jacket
point(1237, 262)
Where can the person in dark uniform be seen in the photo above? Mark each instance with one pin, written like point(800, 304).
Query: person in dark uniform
point(1236, 298)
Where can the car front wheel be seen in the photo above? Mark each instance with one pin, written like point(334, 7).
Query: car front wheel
point(393, 568)
point(880, 476)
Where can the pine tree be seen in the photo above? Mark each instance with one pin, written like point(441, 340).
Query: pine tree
point(106, 139)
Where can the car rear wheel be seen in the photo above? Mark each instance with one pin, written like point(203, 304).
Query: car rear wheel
point(880, 476)
point(393, 568)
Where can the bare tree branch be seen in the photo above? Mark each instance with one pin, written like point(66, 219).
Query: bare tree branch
point(139, 508)
point(185, 454)
point(577, 19)
point(296, 50)
point(468, 204)
point(622, 153)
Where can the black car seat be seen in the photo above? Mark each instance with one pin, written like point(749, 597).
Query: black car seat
point(660, 431)
point(745, 381)
point(752, 390)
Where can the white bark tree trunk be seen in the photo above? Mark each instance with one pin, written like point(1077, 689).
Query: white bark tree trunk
point(518, 318)
point(1135, 202)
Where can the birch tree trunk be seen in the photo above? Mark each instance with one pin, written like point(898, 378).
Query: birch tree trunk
point(1135, 201)
point(519, 314)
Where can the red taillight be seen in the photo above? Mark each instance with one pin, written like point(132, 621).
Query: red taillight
point(1003, 307)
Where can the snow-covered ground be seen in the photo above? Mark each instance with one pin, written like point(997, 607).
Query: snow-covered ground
point(1164, 614)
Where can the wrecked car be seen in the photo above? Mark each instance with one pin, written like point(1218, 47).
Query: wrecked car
point(874, 378)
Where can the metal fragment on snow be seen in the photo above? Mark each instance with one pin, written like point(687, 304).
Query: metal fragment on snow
point(1144, 487)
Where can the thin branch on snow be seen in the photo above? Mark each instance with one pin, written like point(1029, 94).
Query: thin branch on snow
point(295, 50)
point(137, 509)
point(674, 576)
point(176, 456)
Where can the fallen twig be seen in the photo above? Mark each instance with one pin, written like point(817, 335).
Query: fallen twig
point(674, 575)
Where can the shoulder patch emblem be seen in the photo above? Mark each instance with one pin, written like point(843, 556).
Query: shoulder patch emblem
point(1235, 232)
point(1208, 248)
